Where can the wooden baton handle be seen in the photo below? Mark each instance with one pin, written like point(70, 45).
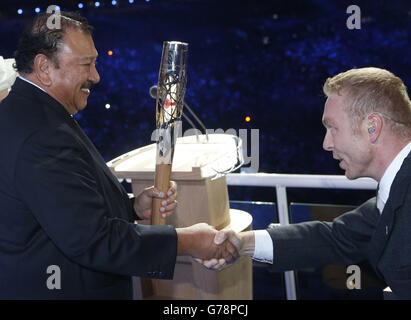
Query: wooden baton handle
point(161, 183)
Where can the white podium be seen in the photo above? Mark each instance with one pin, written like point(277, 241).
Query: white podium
point(202, 197)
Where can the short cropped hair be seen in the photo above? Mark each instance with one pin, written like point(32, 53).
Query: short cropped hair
point(38, 38)
point(373, 90)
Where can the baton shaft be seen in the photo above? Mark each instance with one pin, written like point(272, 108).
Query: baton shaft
point(161, 183)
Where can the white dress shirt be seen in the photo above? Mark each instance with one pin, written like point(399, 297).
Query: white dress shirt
point(389, 175)
point(263, 249)
point(263, 243)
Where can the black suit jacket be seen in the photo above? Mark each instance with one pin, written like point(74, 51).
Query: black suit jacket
point(61, 206)
point(362, 234)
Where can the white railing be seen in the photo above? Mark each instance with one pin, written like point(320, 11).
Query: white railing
point(282, 181)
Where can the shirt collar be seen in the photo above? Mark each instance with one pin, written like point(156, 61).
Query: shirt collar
point(391, 172)
point(24, 79)
point(32, 83)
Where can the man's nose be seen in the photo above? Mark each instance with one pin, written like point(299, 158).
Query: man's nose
point(328, 143)
point(94, 76)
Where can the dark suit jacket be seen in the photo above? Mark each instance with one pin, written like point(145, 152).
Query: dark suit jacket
point(61, 206)
point(362, 234)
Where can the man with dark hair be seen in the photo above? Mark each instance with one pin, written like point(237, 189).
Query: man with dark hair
point(44, 35)
point(66, 225)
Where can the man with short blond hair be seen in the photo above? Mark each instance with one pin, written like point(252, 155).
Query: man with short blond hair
point(374, 90)
point(367, 117)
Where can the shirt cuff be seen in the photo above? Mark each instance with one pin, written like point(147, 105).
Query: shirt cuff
point(263, 251)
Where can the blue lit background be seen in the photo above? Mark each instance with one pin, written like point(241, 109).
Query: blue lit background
point(263, 59)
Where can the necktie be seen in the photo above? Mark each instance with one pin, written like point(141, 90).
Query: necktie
point(380, 202)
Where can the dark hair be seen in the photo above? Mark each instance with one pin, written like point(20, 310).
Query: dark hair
point(38, 38)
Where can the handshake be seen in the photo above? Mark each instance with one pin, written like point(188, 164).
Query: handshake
point(214, 249)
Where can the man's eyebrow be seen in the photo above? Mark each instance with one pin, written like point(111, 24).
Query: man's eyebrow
point(89, 57)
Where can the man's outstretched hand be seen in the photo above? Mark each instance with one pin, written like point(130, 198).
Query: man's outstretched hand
point(199, 242)
point(243, 242)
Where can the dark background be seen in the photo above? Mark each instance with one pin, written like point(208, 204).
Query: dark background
point(264, 59)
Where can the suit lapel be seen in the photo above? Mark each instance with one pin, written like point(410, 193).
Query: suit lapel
point(24, 88)
point(95, 154)
point(395, 201)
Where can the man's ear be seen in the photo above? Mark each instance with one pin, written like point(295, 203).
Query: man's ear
point(42, 68)
point(374, 126)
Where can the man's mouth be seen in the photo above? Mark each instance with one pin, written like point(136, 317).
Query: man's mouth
point(341, 163)
point(86, 88)
point(340, 160)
